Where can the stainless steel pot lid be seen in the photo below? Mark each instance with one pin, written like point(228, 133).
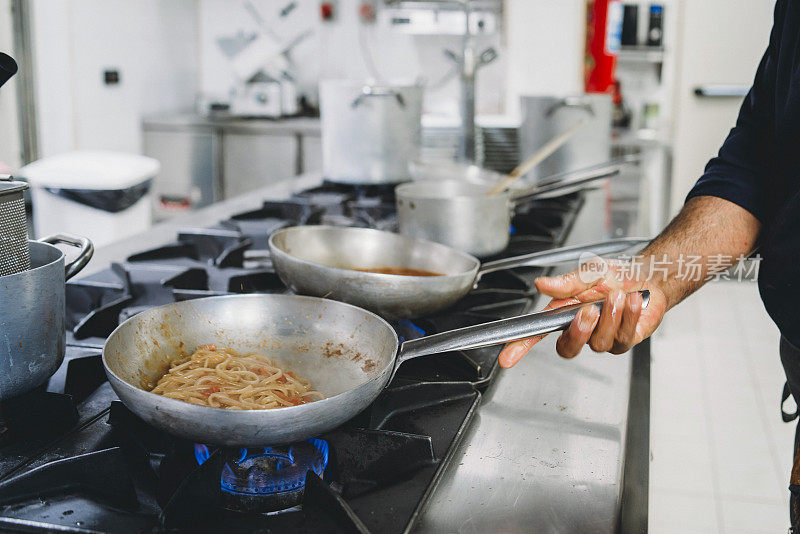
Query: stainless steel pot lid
point(8, 185)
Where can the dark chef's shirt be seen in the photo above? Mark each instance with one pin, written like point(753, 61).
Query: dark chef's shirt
point(758, 168)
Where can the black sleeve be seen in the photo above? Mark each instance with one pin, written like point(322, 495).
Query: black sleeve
point(741, 170)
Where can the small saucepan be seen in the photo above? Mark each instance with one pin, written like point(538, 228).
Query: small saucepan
point(461, 215)
point(339, 263)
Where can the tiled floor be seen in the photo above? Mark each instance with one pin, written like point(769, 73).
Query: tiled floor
point(720, 453)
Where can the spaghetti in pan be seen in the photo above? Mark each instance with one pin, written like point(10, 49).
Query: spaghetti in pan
point(221, 377)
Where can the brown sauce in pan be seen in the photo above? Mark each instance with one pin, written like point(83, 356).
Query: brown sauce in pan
point(402, 271)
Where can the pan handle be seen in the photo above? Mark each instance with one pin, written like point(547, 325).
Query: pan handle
point(559, 255)
point(580, 180)
point(572, 179)
point(620, 162)
point(497, 332)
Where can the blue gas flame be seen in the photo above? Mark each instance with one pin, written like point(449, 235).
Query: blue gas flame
point(201, 453)
point(408, 330)
point(293, 462)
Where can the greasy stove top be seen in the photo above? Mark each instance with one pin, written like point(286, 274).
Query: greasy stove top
point(74, 459)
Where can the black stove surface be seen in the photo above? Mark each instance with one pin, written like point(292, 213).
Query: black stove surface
point(74, 459)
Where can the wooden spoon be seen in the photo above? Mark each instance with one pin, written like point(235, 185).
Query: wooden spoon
point(541, 155)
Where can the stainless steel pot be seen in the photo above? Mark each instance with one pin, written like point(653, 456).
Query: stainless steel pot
point(32, 339)
point(296, 330)
point(543, 117)
point(460, 214)
point(370, 134)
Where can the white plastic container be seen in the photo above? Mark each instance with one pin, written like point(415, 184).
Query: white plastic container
point(104, 196)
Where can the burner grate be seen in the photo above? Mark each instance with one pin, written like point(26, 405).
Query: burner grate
point(102, 474)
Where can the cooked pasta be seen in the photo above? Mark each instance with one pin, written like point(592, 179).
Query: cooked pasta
point(223, 378)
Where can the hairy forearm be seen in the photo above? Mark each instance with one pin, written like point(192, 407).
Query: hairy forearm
point(706, 227)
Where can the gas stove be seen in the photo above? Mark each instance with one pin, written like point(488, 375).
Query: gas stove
point(74, 459)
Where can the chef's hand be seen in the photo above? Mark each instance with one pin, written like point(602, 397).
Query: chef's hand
point(623, 322)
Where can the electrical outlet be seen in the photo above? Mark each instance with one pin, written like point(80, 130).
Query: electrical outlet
point(111, 77)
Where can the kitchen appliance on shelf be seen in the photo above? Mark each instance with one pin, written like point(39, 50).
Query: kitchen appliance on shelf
point(265, 74)
point(102, 195)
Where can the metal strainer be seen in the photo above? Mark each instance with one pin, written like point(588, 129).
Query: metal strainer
point(14, 251)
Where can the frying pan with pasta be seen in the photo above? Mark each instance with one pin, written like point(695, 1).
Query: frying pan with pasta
point(346, 353)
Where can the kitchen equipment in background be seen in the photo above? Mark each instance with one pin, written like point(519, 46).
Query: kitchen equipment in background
point(496, 142)
point(655, 30)
point(622, 115)
point(32, 314)
point(444, 169)
point(630, 25)
point(370, 133)
point(441, 18)
point(461, 215)
point(258, 99)
point(325, 261)
point(14, 253)
point(102, 195)
point(544, 117)
point(189, 152)
point(603, 40)
point(8, 68)
point(263, 67)
point(369, 354)
point(469, 62)
point(650, 116)
point(541, 154)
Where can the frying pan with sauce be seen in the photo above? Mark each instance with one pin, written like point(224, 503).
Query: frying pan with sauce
point(325, 261)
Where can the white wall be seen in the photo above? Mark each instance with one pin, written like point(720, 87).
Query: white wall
point(337, 50)
point(166, 52)
point(10, 157)
point(153, 43)
point(546, 40)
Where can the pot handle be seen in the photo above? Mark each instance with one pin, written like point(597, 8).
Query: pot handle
point(369, 91)
point(547, 258)
point(574, 102)
point(497, 332)
point(85, 254)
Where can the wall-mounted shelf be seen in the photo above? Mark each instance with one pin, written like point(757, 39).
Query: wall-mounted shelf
point(457, 5)
point(641, 54)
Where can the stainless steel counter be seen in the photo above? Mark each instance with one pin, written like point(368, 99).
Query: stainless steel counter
point(301, 125)
point(546, 451)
